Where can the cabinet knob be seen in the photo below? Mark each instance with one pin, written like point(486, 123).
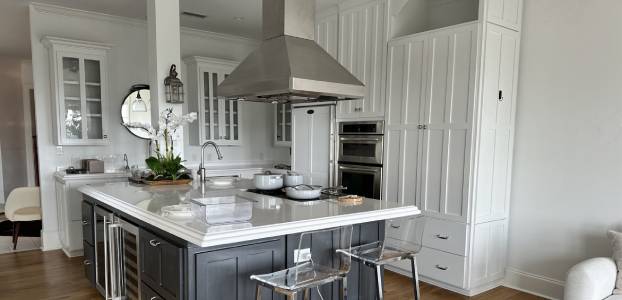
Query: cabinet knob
point(86, 262)
point(442, 237)
point(154, 243)
point(441, 267)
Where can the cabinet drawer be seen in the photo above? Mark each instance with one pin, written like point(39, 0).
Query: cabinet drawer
point(442, 266)
point(89, 263)
point(445, 236)
point(87, 222)
point(146, 293)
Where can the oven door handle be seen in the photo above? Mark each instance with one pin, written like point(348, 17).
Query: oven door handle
point(372, 140)
point(372, 170)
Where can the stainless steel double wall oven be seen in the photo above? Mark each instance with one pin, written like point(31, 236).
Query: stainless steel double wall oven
point(361, 147)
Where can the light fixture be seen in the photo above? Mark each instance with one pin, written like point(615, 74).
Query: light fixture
point(139, 105)
point(173, 87)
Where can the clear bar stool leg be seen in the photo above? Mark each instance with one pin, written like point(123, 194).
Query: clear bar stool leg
point(291, 296)
point(257, 292)
point(343, 292)
point(413, 269)
point(307, 294)
point(379, 282)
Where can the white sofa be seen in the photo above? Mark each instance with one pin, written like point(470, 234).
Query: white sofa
point(593, 279)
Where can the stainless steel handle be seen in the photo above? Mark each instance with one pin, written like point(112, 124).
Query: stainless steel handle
point(154, 243)
point(442, 237)
point(425, 127)
point(154, 298)
point(442, 267)
point(371, 170)
point(85, 222)
point(368, 139)
point(115, 260)
point(420, 126)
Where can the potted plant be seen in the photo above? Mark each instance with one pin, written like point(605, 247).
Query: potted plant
point(165, 167)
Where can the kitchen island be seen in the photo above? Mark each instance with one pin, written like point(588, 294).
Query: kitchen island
point(188, 258)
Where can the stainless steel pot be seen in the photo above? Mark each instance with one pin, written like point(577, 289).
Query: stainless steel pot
point(293, 179)
point(268, 181)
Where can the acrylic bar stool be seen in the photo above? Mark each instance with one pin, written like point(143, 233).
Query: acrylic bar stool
point(315, 271)
point(394, 248)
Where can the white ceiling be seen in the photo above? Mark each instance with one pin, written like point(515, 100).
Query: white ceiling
point(237, 17)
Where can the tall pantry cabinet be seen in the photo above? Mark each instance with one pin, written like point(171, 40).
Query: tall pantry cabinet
point(450, 106)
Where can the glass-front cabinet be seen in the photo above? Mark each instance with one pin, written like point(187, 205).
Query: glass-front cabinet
point(283, 125)
point(219, 119)
point(79, 91)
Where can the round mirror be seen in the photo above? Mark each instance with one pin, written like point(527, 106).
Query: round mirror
point(136, 109)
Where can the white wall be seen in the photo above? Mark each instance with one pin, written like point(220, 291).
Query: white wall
point(13, 144)
point(127, 66)
point(567, 176)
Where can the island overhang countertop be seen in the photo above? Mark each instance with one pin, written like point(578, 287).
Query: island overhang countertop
point(271, 216)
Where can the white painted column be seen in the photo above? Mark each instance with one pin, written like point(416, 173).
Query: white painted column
point(163, 48)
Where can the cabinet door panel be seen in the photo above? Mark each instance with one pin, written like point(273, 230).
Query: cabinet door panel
point(362, 44)
point(433, 175)
point(410, 167)
point(405, 82)
point(506, 13)
point(216, 269)
point(160, 265)
point(392, 165)
point(507, 76)
point(448, 110)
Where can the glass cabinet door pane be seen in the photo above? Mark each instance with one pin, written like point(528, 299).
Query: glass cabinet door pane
point(73, 120)
point(235, 120)
point(92, 71)
point(228, 123)
point(71, 69)
point(94, 127)
point(206, 105)
point(279, 122)
point(215, 108)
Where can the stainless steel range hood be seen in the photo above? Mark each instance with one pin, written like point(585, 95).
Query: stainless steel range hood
point(288, 66)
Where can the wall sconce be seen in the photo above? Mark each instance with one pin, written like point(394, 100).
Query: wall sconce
point(173, 87)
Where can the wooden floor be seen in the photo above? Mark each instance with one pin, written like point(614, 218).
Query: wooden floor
point(51, 275)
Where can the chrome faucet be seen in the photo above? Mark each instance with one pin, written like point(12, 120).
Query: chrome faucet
point(201, 172)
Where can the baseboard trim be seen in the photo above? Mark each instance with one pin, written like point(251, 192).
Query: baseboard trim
point(465, 292)
point(50, 240)
point(538, 285)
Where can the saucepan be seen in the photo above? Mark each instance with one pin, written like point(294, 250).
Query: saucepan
point(293, 179)
point(268, 181)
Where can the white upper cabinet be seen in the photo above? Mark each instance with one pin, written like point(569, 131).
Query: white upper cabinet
point(327, 32)
point(283, 125)
point(219, 119)
point(79, 86)
point(497, 123)
point(362, 50)
point(507, 13)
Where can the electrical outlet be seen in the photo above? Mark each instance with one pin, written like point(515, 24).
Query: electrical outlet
point(59, 150)
point(302, 255)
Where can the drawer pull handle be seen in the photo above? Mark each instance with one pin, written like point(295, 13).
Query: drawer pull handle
point(154, 298)
point(395, 226)
point(442, 237)
point(154, 243)
point(85, 222)
point(441, 267)
point(86, 262)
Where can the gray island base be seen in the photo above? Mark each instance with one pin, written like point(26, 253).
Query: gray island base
point(173, 258)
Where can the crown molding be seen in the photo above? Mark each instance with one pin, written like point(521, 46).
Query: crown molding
point(72, 12)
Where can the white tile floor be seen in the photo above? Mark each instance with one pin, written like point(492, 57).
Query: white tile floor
point(24, 243)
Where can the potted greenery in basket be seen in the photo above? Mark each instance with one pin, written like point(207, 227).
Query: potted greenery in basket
point(165, 167)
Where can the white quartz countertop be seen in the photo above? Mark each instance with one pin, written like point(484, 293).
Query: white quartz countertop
point(271, 216)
